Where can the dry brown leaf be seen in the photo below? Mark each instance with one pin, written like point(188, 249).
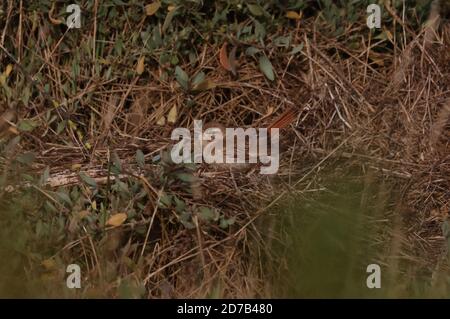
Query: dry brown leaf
point(293, 15)
point(152, 8)
point(223, 57)
point(389, 35)
point(49, 264)
point(204, 85)
point(75, 166)
point(9, 116)
point(117, 219)
point(53, 20)
point(228, 61)
point(161, 121)
point(13, 130)
point(109, 112)
point(140, 66)
point(83, 214)
point(172, 116)
point(8, 70)
point(286, 118)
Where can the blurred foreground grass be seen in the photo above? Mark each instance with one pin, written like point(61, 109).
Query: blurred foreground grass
point(327, 241)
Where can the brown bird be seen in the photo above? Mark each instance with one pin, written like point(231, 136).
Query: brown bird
point(282, 121)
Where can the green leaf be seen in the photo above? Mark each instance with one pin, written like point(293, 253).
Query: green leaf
point(12, 144)
point(140, 158)
point(168, 20)
point(198, 78)
point(131, 289)
point(266, 67)
point(61, 127)
point(297, 49)
point(165, 200)
point(182, 77)
point(118, 46)
point(174, 60)
point(255, 9)
point(49, 207)
point(260, 30)
point(63, 197)
point(180, 205)
point(208, 214)
point(186, 177)
point(28, 178)
point(251, 51)
point(26, 158)
point(88, 180)
point(39, 227)
point(117, 165)
point(27, 125)
point(282, 41)
point(216, 293)
point(185, 219)
point(121, 187)
point(25, 96)
point(226, 222)
point(45, 176)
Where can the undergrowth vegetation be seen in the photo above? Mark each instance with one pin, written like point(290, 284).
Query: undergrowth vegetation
point(87, 179)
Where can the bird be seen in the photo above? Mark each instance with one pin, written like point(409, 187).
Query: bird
point(219, 131)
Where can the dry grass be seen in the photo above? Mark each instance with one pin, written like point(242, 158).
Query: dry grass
point(383, 105)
